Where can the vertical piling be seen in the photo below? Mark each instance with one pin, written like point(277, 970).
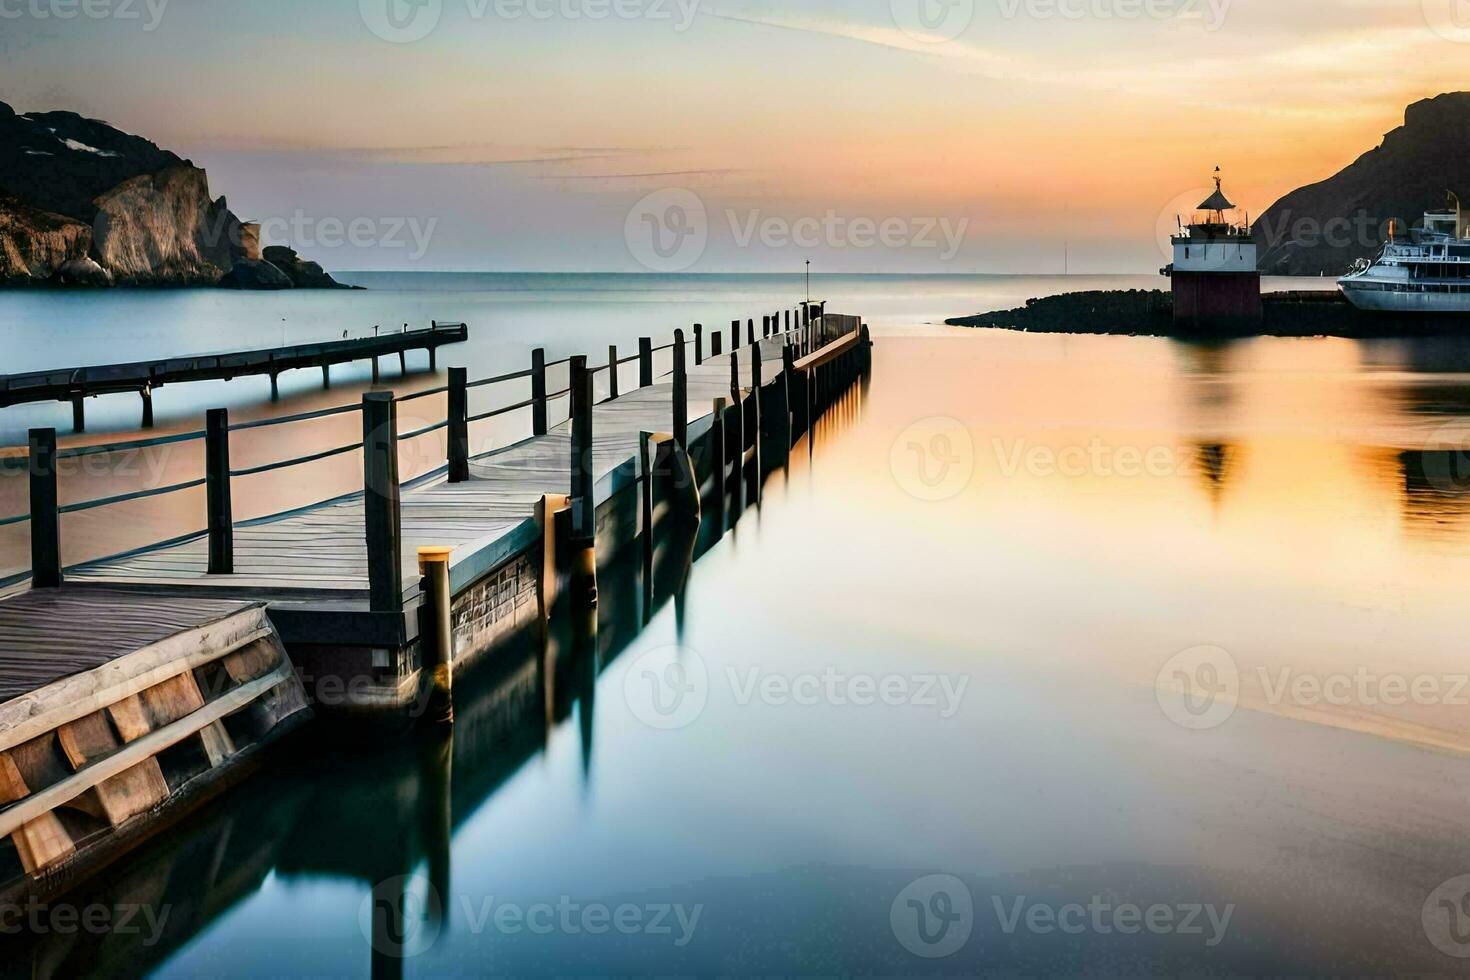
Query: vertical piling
point(459, 425)
point(383, 519)
point(612, 373)
point(436, 635)
point(538, 392)
point(681, 394)
point(583, 487)
point(698, 344)
point(45, 515)
point(645, 362)
point(217, 492)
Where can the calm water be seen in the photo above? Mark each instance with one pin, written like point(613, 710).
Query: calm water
point(1055, 655)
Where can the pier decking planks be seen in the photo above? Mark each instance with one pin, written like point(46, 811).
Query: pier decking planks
point(321, 552)
point(48, 634)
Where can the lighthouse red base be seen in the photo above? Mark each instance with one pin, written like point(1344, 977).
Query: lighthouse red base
point(1217, 302)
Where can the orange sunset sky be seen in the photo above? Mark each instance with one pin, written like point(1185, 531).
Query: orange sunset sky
point(525, 132)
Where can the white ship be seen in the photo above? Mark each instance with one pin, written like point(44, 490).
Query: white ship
point(1430, 273)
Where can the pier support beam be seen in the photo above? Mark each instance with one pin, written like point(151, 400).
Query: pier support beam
point(716, 344)
point(381, 501)
point(275, 386)
point(459, 426)
point(78, 412)
point(45, 516)
point(147, 393)
point(436, 635)
point(377, 371)
point(327, 377)
point(217, 488)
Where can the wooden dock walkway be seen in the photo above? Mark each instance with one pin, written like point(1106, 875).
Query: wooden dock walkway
point(363, 607)
point(142, 377)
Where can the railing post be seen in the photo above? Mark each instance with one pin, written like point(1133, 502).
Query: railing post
point(681, 394)
point(45, 517)
point(716, 344)
point(584, 484)
point(698, 344)
point(380, 501)
point(734, 336)
point(765, 327)
point(147, 394)
point(459, 425)
point(735, 377)
point(645, 362)
point(750, 331)
point(436, 634)
point(538, 392)
point(754, 423)
point(217, 491)
point(720, 455)
point(78, 412)
point(612, 372)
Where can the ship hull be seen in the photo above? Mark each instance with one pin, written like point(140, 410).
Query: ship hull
point(1403, 301)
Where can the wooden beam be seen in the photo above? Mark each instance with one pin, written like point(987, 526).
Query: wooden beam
point(219, 509)
point(45, 515)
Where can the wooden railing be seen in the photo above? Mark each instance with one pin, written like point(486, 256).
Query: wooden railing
point(807, 329)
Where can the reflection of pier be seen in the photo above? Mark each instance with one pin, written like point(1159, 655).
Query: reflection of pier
point(378, 819)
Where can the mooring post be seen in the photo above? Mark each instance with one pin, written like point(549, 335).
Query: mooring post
point(612, 372)
point(436, 635)
point(383, 519)
point(681, 394)
point(538, 392)
point(147, 393)
point(584, 484)
point(459, 424)
point(645, 361)
point(220, 509)
point(698, 344)
point(78, 412)
point(45, 515)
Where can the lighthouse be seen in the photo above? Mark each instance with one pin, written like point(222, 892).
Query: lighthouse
point(1217, 289)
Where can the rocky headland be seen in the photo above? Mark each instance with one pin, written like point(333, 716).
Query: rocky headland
point(85, 204)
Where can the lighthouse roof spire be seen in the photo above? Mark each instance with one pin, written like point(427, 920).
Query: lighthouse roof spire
point(1217, 201)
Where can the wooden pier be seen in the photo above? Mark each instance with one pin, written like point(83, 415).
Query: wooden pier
point(380, 597)
point(75, 385)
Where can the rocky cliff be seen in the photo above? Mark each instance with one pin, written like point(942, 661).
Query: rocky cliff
point(82, 203)
point(1323, 228)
